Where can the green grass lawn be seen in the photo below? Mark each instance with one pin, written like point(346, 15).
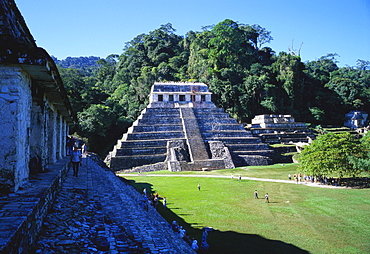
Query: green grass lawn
point(298, 219)
point(276, 171)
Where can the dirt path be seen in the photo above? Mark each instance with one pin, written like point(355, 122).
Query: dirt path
point(245, 178)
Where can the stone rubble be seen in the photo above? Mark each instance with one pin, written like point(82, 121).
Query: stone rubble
point(98, 213)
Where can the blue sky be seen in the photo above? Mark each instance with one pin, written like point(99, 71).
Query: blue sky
point(100, 28)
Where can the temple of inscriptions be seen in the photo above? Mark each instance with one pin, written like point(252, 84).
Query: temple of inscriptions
point(182, 129)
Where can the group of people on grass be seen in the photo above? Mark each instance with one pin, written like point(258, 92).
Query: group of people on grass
point(319, 179)
point(151, 199)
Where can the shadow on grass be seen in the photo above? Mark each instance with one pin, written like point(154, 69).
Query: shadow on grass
point(223, 241)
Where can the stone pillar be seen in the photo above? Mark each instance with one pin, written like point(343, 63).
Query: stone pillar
point(166, 97)
point(15, 104)
point(53, 137)
point(59, 137)
point(64, 137)
point(37, 137)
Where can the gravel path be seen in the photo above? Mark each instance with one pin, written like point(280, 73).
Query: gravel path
point(245, 178)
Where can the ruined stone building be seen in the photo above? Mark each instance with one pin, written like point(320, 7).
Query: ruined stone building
point(35, 111)
point(182, 129)
point(280, 129)
point(356, 119)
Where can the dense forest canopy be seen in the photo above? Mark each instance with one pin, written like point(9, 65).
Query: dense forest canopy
point(246, 77)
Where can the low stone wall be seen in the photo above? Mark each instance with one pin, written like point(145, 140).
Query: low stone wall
point(279, 152)
point(146, 168)
point(251, 160)
point(23, 212)
point(118, 163)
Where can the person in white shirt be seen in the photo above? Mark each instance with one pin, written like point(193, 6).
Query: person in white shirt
point(76, 160)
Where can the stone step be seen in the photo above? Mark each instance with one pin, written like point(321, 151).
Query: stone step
point(202, 122)
point(155, 135)
point(280, 125)
point(144, 143)
point(141, 151)
point(159, 120)
point(225, 134)
point(221, 127)
point(285, 135)
point(208, 110)
point(162, 111)
point(196, 144)
point(206, 116)
point(236, 140)
point(157, 128)
point(253, 152)
point(248, 147)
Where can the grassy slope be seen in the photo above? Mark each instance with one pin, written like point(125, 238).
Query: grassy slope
point(317, 220)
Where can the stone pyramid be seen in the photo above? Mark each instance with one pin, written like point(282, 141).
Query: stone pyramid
point(182, 129)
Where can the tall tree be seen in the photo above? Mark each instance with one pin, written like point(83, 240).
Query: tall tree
point(329, 155)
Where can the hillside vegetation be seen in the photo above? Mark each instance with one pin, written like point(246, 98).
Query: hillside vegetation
point(246, 77)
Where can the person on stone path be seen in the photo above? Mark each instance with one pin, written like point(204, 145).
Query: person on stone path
point(256, 194)
point(69, 144)
point(164, 202)
point(194, 245)
point(83, 148)
point(267, 198)
point(239, 178)
point(76, 160)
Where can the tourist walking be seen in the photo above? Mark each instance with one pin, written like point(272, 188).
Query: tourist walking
point(76, 160)
point(239, 178)
point(194, 245)
point(256, 194)
point(164, 202)
point(267, 198)
point(83, 148)
point(198, 187)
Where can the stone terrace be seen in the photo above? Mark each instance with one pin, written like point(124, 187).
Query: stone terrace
point(93, 213)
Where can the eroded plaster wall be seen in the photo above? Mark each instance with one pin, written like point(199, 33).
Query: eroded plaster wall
point(33, 132)
point(15, 104)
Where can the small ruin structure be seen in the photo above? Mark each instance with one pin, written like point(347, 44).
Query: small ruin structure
point(280, 129)
point(356, 119)
point(182, 129)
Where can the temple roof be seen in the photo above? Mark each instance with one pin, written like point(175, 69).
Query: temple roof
point(179, 87)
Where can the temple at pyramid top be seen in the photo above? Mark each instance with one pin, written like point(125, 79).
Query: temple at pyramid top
point(180, 94)
point(182, 129)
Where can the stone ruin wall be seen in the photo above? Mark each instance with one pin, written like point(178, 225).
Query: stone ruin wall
point(33, 132)
point(15, 103)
